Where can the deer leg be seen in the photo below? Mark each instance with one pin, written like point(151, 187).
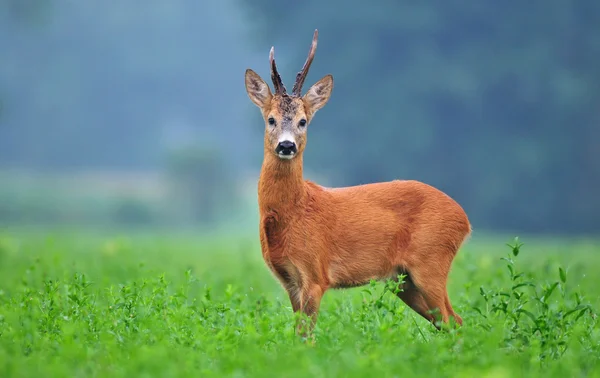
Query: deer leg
point(294, 294)
point(437, 305)
point(414, 299)
point(310, 301)
point(430, 281)
point(451, 312)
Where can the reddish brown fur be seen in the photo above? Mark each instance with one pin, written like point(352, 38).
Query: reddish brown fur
point(315, 238)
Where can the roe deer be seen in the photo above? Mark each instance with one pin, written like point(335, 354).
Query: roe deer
point(315, 238)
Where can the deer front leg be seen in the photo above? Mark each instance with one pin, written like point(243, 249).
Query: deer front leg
point(294, 294)
point(310, 301)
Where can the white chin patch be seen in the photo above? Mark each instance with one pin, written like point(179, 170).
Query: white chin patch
point(286, 157)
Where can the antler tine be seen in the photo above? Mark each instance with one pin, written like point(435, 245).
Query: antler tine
point(301, 76)
point(277, 82)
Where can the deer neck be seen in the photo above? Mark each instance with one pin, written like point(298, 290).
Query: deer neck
point(281, 187)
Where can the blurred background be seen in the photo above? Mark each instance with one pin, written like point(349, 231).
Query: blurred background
point(135, 114)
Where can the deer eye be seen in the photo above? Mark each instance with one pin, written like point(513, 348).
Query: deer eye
point(271, 121)
point(302, 122)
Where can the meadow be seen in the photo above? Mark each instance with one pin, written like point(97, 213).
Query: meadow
point(78, 303)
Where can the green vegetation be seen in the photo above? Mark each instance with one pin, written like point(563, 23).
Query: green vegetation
point(149, 304)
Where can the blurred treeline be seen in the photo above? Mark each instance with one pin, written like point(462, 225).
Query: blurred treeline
point(496, 103)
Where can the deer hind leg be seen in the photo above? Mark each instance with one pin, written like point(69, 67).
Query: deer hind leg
point(414, 299)
point(430, 279)
point(451, 312)
point(433, 293)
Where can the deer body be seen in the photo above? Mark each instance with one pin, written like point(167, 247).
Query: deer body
point(315, 238)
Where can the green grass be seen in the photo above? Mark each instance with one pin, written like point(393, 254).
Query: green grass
point(156, 304)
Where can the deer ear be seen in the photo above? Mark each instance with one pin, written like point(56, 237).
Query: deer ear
point(258, 91)
point(318, 95)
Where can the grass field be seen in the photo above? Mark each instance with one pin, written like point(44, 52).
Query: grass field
point(83, 304)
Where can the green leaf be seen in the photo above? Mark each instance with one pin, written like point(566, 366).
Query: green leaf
point(522, 284)
point(548, 292)
point(562, 274)
point(518, 295)
point(582, 312)
point(479, 311)
point(580, 307)
point(529, 314)
point(516, 247)
point(511, 270)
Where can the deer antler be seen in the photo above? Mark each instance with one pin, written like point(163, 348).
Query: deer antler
point(277, 83)
point(301, 76)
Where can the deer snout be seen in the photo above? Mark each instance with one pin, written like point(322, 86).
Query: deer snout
point(286, 149)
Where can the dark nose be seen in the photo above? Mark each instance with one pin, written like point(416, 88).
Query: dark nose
point(286, 147)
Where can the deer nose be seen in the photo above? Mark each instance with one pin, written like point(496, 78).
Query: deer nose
point(286, 147)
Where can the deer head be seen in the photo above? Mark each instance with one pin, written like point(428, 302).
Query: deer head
point(287, 116)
